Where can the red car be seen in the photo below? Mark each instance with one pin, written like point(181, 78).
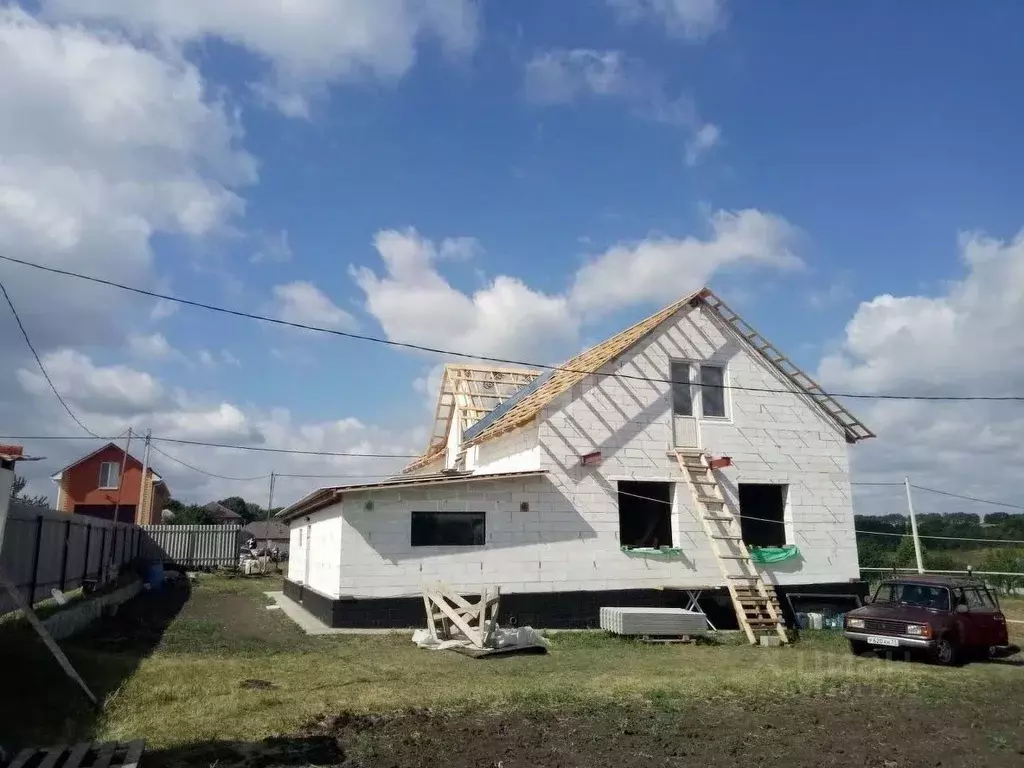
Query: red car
point(949, 618)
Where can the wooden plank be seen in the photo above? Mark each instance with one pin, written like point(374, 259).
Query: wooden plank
point(22, 758)
point(133, 753)
point(104, 755)
point(78, 753)
point(53, 754)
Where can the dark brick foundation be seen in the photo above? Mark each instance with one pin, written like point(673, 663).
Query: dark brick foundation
point(554, 610)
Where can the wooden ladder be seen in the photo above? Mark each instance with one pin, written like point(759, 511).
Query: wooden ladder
point(755, 602)
point(855, 429)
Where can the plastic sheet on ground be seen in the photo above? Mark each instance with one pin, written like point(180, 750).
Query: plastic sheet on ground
point(504, 640)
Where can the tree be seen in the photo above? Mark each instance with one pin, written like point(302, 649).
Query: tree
point(16, 493)
point(192, 514)
point(1004, 560)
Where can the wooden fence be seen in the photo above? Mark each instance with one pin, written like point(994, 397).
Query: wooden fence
point(44, 549)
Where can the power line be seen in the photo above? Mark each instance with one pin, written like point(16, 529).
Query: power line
point(469, 356)
point(967, 498)
point(262, 449)
point(39, 362)
point(203, 471)
point(294, 451)
point(739, 516)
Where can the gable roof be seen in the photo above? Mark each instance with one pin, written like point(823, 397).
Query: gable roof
point(529, 401)
point(267, 529)
point(475, 391)
point(219, 512)
point(57, 475)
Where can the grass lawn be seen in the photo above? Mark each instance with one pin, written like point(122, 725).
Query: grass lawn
point(175, 669)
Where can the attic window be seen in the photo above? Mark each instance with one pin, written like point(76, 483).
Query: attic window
point(110, 475)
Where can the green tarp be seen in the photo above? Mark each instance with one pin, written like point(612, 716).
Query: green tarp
point(651, 550)
point(774, 554)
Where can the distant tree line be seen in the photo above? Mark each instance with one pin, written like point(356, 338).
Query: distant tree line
point(986, 554)
point(195, 514)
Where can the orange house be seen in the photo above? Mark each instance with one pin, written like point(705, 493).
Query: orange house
point(108, 484)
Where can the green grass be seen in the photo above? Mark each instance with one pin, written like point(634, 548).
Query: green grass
point(185, 683)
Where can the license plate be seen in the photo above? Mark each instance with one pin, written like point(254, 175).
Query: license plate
point(890, 641)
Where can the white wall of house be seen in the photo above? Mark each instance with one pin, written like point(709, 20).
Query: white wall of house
point(568, 540)
point(772, 438)
point(314, 554)
point(517, 451)
point(555, 546)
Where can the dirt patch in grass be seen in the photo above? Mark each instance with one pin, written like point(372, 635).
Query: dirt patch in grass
point(863, 730)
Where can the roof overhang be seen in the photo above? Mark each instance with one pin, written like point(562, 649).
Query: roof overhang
point(325, 497)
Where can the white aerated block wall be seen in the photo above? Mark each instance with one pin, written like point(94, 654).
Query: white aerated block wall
point(771, 437)
point(320, 549)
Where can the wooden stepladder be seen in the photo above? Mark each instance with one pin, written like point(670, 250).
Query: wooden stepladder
point(755, 602)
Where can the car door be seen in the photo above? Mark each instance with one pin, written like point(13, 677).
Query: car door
point(980, 621)
point(991, 626)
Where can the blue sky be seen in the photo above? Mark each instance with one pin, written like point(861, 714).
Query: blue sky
point(855, 145)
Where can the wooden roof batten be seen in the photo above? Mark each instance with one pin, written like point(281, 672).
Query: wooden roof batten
point(592, 360)
point(474, 390)
point(528, 401)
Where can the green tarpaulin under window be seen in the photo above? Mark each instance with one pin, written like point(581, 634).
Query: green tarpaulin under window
point(774, 554)
point(651, 550)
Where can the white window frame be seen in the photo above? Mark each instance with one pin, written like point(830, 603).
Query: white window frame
point(697, 394)
point(116, 472)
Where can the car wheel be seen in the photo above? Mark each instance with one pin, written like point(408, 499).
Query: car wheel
point(859, 647)
point(947, 652)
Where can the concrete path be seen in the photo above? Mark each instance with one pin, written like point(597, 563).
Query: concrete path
point(311, 625)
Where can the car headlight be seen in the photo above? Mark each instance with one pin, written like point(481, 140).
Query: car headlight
point(920, 630)
point(855, 623)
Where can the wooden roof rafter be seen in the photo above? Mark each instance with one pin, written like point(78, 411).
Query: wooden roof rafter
point(473, 390)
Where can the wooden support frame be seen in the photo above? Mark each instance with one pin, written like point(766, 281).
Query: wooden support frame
point(445, 608)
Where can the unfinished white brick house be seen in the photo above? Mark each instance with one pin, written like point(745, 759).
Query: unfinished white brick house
point(637, 473)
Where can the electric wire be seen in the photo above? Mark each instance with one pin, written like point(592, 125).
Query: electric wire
point(487, 358)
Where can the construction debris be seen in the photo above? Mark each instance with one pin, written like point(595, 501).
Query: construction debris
point(455, 623)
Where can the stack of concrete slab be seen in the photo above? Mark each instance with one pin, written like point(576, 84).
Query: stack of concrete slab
point(653, 622)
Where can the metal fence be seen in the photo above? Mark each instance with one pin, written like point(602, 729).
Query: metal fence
point(44, 549)
point(192, 546)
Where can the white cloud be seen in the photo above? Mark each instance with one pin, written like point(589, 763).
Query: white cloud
point(272, 248)
point(117, 390)
point(562, 76)
point(229, 359)
point(460, 248)
point(112, 144)
point(302, 302)
point(205, 357)
point(110, 399)
point(693, 20)
point(306, 44)
point(414, 303)
point(153, 345)
point(703, 140)
point(664, 269)
point(964, 340)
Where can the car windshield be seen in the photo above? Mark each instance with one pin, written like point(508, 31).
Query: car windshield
point(922, 595)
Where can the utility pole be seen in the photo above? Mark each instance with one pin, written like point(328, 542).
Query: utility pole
point(270, 505)
point(120, 478)
point(142, 487)
point(913, 527)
